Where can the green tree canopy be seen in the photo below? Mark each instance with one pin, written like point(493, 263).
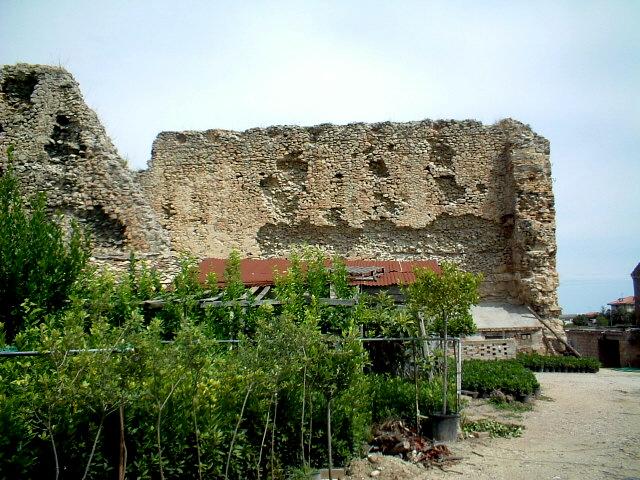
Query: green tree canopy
point(444, 297)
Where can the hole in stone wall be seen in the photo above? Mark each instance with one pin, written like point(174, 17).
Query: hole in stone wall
point(272, 132)
point(378, 167)
point(482, 188)
point(378, 127)
point(63, 120)
point(450, 188)
point(20, 86)
point(390, 207)
point(168, 210)
point(391, 147)
point(65, 140)
point(1, 128)
point(338, 175)
point(334, 215)
point(293, 166)
point(441, 152)
point(439, 125)
point(269, 181)
point(181, 138)
point(106, 232)
point(315, 132)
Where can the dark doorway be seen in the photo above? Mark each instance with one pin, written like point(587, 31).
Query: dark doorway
point(609, 352)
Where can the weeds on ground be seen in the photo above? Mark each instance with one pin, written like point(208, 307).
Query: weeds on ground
point(494, 428)
point(515, 407)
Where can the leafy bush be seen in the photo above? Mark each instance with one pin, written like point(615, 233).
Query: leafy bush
point(116, 375)
point(508, 376)
point(38, 262)
point(190, 407)
point(395, 397)
point(537, 362)
point(444, 299)
point(580, 321)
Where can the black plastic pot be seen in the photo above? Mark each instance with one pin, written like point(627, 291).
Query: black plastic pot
point(444, 428)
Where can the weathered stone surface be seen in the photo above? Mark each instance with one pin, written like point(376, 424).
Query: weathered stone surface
point(476, 194)
point(448, 190)
point(62, 149)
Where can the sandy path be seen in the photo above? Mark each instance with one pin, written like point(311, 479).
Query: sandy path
point(590, 430)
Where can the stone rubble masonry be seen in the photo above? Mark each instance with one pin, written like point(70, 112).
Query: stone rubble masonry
point(62, 149)
point(479, 195)
point(446, 190)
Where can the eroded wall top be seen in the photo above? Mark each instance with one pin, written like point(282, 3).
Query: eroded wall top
point(62, 149)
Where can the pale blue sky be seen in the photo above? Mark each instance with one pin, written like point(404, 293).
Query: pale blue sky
point(569, 69)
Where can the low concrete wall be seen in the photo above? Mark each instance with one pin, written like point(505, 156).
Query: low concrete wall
point(494, 349)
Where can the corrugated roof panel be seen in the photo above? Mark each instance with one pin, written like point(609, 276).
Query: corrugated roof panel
point(256, 272)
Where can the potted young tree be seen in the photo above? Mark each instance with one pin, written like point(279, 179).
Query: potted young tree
point(444, 300)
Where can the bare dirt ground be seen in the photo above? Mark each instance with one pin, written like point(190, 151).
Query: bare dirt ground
point(585, 426)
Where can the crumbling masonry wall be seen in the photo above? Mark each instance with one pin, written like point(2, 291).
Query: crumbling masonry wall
point(62, 149)
point(446, 190)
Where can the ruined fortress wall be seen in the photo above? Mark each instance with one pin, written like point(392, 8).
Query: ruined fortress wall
point(62, 149)
point(478, 195)
point(446, 190)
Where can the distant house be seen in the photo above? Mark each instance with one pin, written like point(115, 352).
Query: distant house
point(615, 346)
point(623, 305)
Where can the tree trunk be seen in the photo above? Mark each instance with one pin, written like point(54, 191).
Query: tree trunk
point(93, 449)
point(235, 432)
point(445, 383)
point(122, 467)
point(329, 437)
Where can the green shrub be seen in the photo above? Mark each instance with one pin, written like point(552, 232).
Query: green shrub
point(508, 376)
point(192, 408)
point(395, 397)
point(537, 362)
point(39, 262)
point(186, 405)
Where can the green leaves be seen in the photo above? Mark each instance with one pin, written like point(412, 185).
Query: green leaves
point(190, 404)
point(537, 362)
point(39, 261)
point(444, 297)
point(494, 428)
point(508, 376)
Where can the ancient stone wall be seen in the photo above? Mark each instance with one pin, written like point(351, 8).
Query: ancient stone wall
point(62, 149)
point(476, 194)
point(446, 190)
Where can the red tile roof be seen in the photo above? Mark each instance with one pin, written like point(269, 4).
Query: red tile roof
point(623, 301)
point(379, 273)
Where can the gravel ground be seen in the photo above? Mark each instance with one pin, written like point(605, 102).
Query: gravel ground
point(586, 426)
